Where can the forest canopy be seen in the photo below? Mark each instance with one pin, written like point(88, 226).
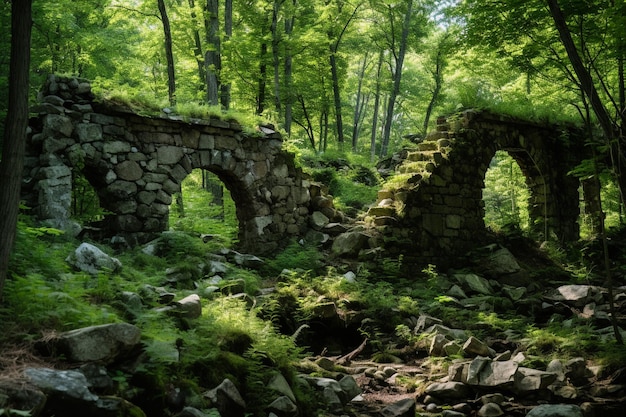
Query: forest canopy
point(333, 72)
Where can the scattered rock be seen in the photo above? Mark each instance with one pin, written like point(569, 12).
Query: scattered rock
point(89, 258)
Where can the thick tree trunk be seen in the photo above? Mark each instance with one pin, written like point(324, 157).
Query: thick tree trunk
point(169, 54)
point(14, 139)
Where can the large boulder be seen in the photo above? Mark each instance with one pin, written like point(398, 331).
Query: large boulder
point(89, 258)
point(349, 243)
point(105, 343)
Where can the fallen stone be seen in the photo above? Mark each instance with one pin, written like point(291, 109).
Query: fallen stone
point(70, 385)
point(556, 410)
point(89, 258)
point(279, 384)
point(105, 343)
point(283, 407)
point(490, 410)
point(349, 244)
point(474, 283)
point(475, 347)
point(527, 379)
point(189, 307)
point(449, 390)
point(227, 399)
point(402, 408)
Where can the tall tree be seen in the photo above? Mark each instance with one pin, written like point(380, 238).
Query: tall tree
point(14, 138)
point(213, 59)
point(169, 54)
point(398, 48)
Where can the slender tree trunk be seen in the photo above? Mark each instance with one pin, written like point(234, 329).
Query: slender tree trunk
point(228, 33)
point(397, 75)
point(197, 50)
point(14, 139)
point(213, 58)
point(276, 56)
point(288, 102)
point(438, 78)
point(376, 107)
point(336, 98)
point(358, 107)
point(260, 97)
point(169, 54)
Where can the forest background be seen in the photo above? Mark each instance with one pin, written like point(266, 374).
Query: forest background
point(358, 77)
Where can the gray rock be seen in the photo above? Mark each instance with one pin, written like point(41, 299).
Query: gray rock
point(227, 399)
point(449, 390)
point(475, 347)
point(527, 379)
point(23, 397)
point(318, 220)
point(89, 258)
point(104, 343)
point(283, 407)
point(349, 387)
point(279, 384)
point(490, 410)
point(349, 244)
point(487, 373)
point(474, 283)
point(63, 384)
point(189, 307)
point(556, 410)
point(402, 408)
point(577, 372)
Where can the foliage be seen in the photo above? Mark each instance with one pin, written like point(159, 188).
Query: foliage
point(505, 194)
point(196, 210)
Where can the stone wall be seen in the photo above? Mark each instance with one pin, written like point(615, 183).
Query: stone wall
point(435, 213)
point(136, 163)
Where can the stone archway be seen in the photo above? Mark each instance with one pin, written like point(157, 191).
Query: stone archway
point(436, 212)
point(137, 163)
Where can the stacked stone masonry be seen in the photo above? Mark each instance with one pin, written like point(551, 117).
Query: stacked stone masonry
point(137, 163)
point(436, 214)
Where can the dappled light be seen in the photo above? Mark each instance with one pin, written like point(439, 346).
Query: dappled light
point(505, 195)
point(204, 206)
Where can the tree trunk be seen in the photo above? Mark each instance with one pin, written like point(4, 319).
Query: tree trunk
point(260, 96)
point(376, 106)
point(584, 77)
point(288, 102)
point(276, 56)
point(358, 107)
point(197, 51)
point(336, 98)
point(228, 33)
point(438, 78)
point(169, 55)
point(213, 59)
point(397, 75)
point(14, 139)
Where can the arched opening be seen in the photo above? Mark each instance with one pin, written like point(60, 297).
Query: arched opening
point(506, 195)
point(205, 206)
point(85, 204)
